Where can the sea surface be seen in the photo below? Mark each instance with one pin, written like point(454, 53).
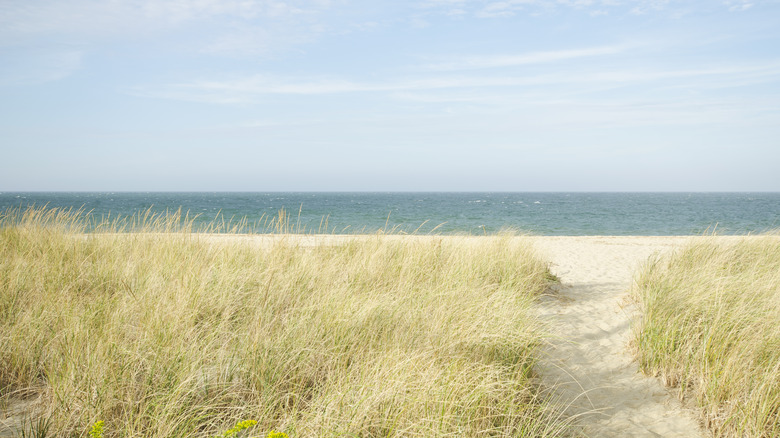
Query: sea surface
point(646, 214)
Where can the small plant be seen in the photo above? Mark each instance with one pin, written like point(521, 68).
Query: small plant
point(275, 434)
point(37, 429)
point(241, 425)
point(97, 430)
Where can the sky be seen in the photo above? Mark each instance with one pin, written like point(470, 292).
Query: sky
point(405, 95)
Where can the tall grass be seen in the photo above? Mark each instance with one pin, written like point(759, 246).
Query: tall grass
point(160, 333)
point(711, 326)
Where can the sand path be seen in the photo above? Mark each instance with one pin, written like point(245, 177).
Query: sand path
point(588, 363)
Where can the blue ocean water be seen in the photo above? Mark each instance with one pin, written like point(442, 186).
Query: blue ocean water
point(447, 213)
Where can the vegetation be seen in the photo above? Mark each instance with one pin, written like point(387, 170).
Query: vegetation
point(164, 333)
point(712, 327)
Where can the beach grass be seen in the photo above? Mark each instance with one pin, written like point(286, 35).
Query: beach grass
point(711, 326)
point(162, 332)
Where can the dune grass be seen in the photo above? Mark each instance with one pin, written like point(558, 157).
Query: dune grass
point(162, 333)
point(711, 325)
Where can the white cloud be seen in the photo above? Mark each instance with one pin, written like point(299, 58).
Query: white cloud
point(738, 5)
point(494, 61)
point(594, 8)
point(101, 16)
point(647, 6)
point(456, 12)
point(247, 39)
point(253, 88)
point(93, 21)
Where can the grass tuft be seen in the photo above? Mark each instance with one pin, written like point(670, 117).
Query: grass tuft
point(711, 326)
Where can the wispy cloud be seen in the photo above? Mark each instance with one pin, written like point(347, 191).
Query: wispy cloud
point(104, 16)
point(506, 8)
point(501, 8)
point(647, 6)
point(739, 5)
point(25, 68)
point(493, 61)
point(509, 8)
point(222, 26)
point(248, 39)
point(252, 88)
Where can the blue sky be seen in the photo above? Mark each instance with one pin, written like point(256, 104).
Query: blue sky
point(428, 95)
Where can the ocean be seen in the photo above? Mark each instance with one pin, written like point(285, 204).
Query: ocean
point(563, 214)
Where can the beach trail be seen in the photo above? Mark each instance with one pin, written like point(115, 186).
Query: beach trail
point(588, 362)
